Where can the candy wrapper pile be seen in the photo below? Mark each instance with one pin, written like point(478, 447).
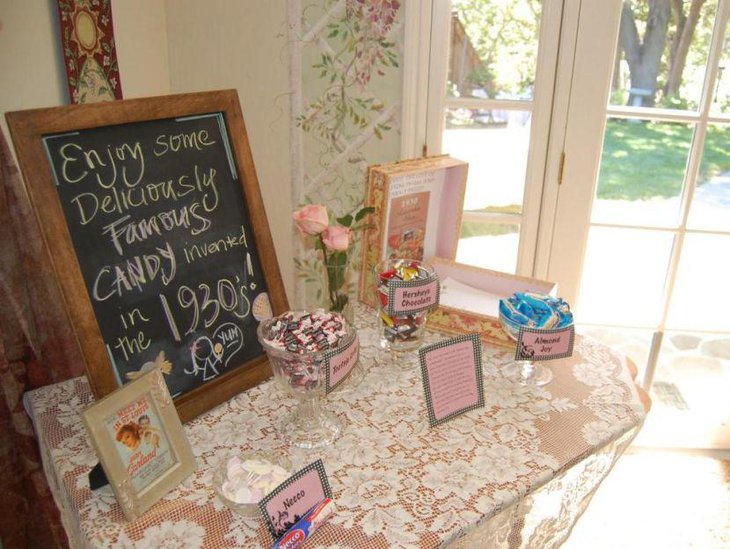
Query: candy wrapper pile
point(308, 332)
point(400, 328)
point(297, 342)
point(536, 311)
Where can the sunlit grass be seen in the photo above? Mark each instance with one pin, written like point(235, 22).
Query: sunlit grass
point(643, 160)
point(475, 228)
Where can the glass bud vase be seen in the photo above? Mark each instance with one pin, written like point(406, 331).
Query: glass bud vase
point(336, 286)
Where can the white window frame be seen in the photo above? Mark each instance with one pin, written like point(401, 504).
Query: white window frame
point(427, 28)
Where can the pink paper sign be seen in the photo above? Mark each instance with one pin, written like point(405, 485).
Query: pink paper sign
point(409, 298)
point(452, 377)
point(340, 363)
point(283, 507)
point(544, 344)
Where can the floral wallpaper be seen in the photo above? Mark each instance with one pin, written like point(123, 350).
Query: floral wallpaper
point(346, 59)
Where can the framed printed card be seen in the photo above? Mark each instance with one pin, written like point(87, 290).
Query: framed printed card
point(140, 441)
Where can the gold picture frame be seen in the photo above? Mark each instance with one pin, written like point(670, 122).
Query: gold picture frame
point(139, 439)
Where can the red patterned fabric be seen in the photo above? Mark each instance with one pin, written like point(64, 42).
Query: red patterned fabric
point(89, 53)
point(37, 345)
point(32, 324)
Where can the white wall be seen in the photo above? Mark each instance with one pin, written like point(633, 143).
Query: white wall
point(140, 34)
point(31, 65)
point(219, 44)
point(31, 62)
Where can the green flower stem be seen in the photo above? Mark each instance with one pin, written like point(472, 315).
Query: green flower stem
point(335, 277)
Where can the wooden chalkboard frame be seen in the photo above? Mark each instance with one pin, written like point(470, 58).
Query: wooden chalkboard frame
point(27, 129)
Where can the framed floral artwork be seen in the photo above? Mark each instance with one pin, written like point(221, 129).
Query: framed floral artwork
point(140, 441)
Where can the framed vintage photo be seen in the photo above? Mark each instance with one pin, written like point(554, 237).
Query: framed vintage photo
point(155, 228)
point(418, 207)
point(140, 442)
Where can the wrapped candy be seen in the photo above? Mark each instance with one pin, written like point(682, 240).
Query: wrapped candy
point(536, 311)
point(308, 332)
point(307, 525)
point(248, 481)
point(401, 328)
point(305, 336)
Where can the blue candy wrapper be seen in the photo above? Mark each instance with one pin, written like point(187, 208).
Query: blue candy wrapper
point(295, 536)
point(536, 311)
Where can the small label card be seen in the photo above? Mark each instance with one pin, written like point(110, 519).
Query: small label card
point(534, 344)
point(289, 501)
point(452, 377)
point(413, 296)
point(339, 363)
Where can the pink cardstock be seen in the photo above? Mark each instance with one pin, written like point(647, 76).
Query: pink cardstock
point(545, 344)
point(290, 504)
point(342, 363)
point(418, 298)
point(452, 379)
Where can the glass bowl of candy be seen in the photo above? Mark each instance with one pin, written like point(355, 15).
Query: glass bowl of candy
point(299, 345)
point(242, 480)
point(537, 312)
point(402, 325)
point(510, 327)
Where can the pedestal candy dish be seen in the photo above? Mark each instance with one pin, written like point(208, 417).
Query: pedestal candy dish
point(537, 312)
point(299, 345)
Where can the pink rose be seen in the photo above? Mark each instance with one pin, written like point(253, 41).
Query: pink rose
point(337, 238)
point(311, 219)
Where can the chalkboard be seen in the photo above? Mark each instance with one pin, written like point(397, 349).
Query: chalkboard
point(156, 228)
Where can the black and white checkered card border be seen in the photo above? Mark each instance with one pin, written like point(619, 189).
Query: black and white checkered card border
point(423, 351)
point(319, 466)
point(329, 355)
point(393, 285)
point(521, 354)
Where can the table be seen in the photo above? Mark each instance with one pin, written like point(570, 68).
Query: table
point(517, 473)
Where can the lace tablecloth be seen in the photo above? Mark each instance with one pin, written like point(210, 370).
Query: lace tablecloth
point(517, 473)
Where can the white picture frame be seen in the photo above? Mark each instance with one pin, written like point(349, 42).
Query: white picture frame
point(140, 441)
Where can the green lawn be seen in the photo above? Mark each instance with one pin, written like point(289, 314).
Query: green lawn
point(642, 160)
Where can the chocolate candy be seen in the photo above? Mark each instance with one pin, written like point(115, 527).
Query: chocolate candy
point(406, 328)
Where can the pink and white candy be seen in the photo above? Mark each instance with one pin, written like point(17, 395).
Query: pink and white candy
point(250, 480)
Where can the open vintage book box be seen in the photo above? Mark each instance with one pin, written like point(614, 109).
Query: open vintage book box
point(470, 299)
point(419, 207)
